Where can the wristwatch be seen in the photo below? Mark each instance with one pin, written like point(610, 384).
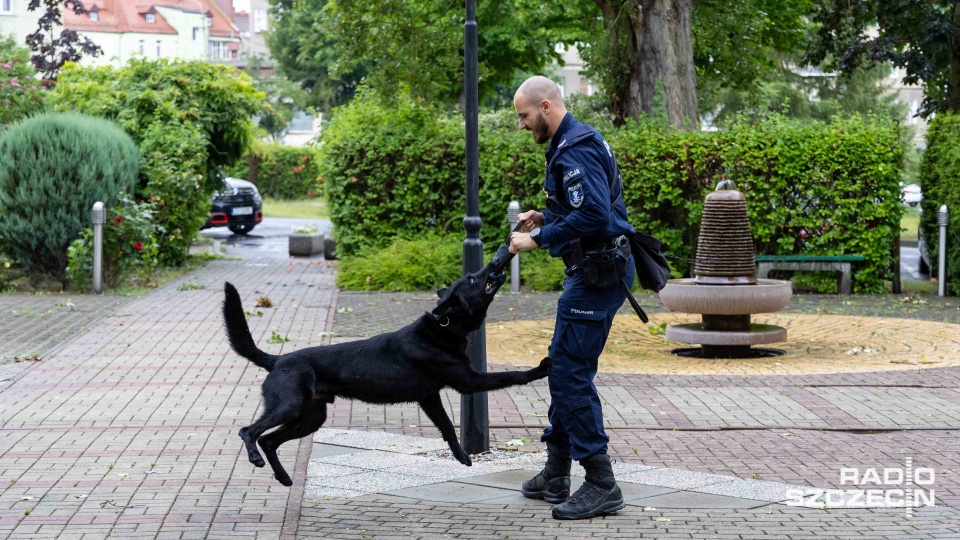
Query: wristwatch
point(535, 235)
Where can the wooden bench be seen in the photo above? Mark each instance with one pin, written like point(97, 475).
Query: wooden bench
point(840, 264)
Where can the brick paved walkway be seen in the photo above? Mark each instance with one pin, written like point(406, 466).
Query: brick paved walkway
point(32, 325)
point(798, 429)
point(129, 430)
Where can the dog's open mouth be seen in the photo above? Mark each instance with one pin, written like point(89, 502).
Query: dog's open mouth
point(494, 281)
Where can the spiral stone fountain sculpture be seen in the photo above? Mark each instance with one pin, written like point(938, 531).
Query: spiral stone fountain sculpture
point(725, 290)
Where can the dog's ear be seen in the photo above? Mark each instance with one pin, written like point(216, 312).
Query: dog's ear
point(442, 292)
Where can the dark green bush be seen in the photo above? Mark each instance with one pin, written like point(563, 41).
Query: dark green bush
point(190, 119)
point(812, 188)
point(53, 167)
point(283, 172)
point(939, 176)
point(541, 272)
point(419, 264)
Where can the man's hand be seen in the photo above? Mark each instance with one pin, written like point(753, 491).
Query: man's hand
point(532, 219)
point(520, 241)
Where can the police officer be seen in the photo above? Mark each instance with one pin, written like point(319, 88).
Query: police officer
point(585, 205)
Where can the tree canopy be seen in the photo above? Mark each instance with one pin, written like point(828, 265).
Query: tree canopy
point(715, 47)
point(919, 36)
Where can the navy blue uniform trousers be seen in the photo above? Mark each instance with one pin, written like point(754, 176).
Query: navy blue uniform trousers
point(584, 317)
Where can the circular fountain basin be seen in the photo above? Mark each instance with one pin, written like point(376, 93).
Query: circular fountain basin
point(695, 333)
point(767, 296)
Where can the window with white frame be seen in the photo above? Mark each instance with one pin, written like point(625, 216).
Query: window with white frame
point(143, 45)
point(151, 18)
point(219, 51)
point(259, 20)
point(159, 44)
point(94, 15)
point(6, 6)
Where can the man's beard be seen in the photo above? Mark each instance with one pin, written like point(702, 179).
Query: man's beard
point(540, 129)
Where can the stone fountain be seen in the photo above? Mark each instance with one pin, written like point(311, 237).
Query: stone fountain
point(726, 291)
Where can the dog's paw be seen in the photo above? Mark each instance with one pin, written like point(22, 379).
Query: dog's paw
point(257, 460)
point(544, 367)
point(284, 479)
point(464, 458)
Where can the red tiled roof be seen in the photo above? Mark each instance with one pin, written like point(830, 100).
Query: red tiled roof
point(122, 16)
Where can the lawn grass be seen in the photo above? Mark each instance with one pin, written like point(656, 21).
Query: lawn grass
point(305, 209)
point(910, 221)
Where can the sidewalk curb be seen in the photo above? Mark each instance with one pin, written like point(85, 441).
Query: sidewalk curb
point(291, 518)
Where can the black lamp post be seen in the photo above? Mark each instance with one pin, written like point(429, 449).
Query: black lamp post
point(474, 418)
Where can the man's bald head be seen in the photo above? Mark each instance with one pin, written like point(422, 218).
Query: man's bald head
point(539, 107)
point(539, 88)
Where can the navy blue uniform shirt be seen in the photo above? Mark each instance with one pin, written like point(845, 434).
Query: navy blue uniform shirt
point(582, 185)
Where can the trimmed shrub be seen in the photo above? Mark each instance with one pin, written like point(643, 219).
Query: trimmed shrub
point(129, 245)
point(190, 120)
point(939, 174)
point(283, 172)
point(53, 167)
point(812, 188)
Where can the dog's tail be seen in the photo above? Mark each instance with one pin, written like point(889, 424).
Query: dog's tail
point(239, 333)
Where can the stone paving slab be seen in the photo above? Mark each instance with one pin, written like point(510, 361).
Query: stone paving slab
point(401, 473)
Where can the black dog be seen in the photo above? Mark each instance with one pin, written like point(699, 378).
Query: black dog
point(410, 365)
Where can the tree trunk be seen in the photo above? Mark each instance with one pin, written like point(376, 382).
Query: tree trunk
point(653, 58)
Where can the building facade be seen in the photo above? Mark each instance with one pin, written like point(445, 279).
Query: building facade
point(15, 20)
point(172, 29)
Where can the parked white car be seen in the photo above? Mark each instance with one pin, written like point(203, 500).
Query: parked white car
point(912, 195)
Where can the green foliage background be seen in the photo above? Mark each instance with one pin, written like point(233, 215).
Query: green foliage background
point(281, 172)
point(812, 188)
point(190, 120)
point(53, 167)
point(940, 170)
point(21, 93)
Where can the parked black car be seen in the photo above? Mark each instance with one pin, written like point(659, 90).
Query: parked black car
point(237, 205)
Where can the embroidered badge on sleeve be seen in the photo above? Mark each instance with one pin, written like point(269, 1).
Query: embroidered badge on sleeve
point(575, 194)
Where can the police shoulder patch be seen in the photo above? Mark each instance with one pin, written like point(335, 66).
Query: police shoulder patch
point(575, 194)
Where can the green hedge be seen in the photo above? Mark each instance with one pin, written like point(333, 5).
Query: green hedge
point(940, 179)
point(282, 172)
point(191, 120)
point(813, 188)
point(53, 167)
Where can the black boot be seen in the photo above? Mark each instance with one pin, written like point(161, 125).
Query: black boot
point(599, 493)
point(552, 484)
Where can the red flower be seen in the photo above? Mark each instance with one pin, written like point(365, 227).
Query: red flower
point(138, 246)
point(117, 220)
point(311, 194)
point(298, 168)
